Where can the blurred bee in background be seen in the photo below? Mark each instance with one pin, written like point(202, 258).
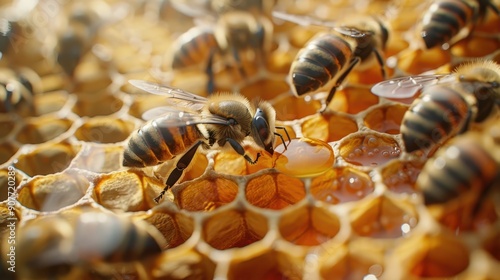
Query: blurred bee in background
point(82, 241)
point(328, 58)
point(238, 31)
point(195, 121)
point(17, 88)
point(448, 103)
point(445, 19)
point(75, 40)
point(468, 168)
point(6, 33)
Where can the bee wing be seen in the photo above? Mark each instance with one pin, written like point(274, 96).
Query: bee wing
point(350, 31)
point(173, 95)
point(192, 8)
point(172, 116)
point(302, 20)
point(408, 86)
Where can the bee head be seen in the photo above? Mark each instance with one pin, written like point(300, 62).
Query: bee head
point(263, 126)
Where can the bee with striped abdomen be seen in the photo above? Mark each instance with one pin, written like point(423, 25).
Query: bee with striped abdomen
point(195, 121)
point(328, 58)
point(234, 34)
point(447, 105)
point(445, 19)
point(466, 168)
point(84, 241)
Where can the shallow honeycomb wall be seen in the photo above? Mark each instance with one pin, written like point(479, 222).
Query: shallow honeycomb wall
point(339, 203)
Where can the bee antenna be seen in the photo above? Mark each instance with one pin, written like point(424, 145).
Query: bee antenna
point(281, 136)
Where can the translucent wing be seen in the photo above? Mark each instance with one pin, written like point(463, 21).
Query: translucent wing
point(173, 95)
point(408, 86)
point(171, 116)
point(192, 8)
point(303, 20)
point(351, 31)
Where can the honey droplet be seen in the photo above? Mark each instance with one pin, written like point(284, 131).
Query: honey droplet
point(369, 150)
point(304, 157)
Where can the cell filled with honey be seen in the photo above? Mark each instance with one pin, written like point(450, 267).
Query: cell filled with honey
point(400, 176)
point(274, 191)
point(386, 119)
point(304, 157)
point(369, 149)
point(343, 184)
point(328, 127)
point(265, 88)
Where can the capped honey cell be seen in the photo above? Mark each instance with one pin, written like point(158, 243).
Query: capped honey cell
point(369, 149)
point(304, 157)
point(339, 185)
point(274, 191)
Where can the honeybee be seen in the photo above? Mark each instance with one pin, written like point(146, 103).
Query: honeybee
point(84, 240)
point(197, 121)
point(447, 105)
point(329, 57)
point(17, 88)
point(76, 38)
point(468, 166)
point(6, 34)
point(236, 35)
point(445, 19)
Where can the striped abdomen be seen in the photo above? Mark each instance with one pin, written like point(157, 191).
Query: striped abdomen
point(319, 62)
point(455, 170)
point(193, 48)
point(157, 141)
point(445, 19)
point(439, 113)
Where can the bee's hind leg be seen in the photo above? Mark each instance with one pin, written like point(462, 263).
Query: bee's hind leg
point(182, 163)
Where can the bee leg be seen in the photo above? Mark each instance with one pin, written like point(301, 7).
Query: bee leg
point(354, 61)
point(182, 163)
point(381, 62)
point(237, 58)
point(281, 136)
point(239, 149)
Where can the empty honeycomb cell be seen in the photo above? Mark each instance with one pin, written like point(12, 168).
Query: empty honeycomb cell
point(196, 168)
point(265, 88)
point(176, 227)
point(104, 130)
point(419, 61)
point(8, 213)
point(369, 149)
point(475, 46)
point(229, 162)
point(43, 129)
point(10, 179)
point(304, 157)
point(309, 225)
point(7, 150)
point(383, 217)
point(289, 107)
point(234, 229)
point(47, 159)
point(263, 258)
point(53, 192)
point(129, 191)
point(340, 185)
point(97, 104)
point(358, 99)
point(205, 194)
point(99, 158)
point(386, 119)
point(328, 127)
point(180, 264)
point(89, 77)
point(400, 176)
point(50, 102)
point(431, 256)
point(274, 191)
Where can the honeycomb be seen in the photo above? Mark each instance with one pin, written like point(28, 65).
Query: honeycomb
point(337, 202)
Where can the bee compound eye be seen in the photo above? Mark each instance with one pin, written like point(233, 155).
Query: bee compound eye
point(262, 127)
